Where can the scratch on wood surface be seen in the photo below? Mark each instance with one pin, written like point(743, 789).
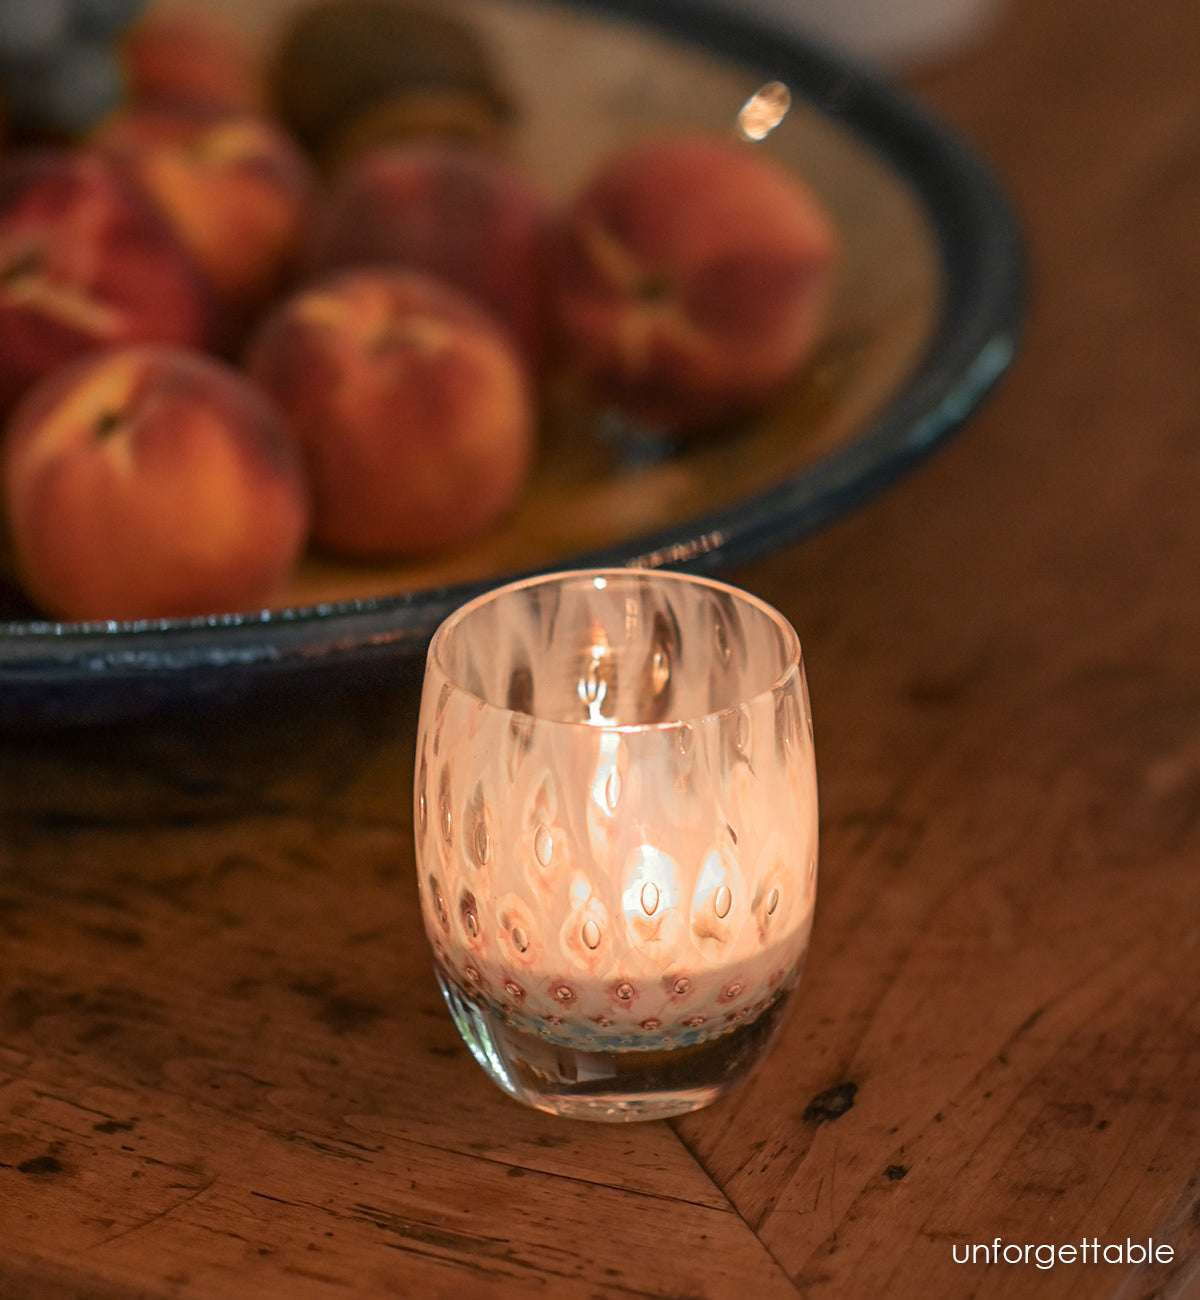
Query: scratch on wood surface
point(414, 1230)
point(430, 1234)
point(833, 1227)
point(160, 1215)
point(472, 1252)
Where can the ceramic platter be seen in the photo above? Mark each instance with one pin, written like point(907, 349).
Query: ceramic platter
point(925, 320)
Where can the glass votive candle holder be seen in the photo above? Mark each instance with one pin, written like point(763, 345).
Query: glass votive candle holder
point(615, 816)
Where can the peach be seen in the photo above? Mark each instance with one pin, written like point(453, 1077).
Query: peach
point(149, 481)
point(234, 186)
point(454, 211)
point(411, 404)
point(692, 278)
point(86, 262)
point(348, 73)
point(187, 52)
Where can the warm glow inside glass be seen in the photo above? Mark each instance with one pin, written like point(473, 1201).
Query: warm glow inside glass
point(616, 835)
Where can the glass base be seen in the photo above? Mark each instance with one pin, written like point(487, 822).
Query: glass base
point(610, 1086)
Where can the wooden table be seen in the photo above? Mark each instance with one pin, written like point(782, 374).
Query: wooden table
point(225, 1070)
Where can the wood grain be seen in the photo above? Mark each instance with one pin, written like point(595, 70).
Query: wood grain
point(227, 1068)
point(224, 1067)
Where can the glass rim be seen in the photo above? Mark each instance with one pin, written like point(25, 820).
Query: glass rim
point(793, 651)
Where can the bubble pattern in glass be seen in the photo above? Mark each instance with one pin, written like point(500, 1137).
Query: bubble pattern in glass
point(616, 807)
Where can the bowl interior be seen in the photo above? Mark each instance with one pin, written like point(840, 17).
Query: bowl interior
point(583, 82)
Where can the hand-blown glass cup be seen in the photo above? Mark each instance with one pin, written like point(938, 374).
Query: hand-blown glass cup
point(616, 835)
